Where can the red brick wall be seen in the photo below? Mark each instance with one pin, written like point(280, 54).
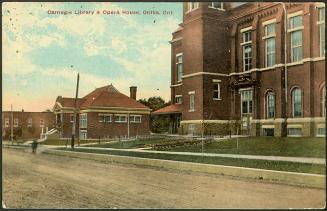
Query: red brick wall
point(24, 132)
point(112, 129)
point(205, 36)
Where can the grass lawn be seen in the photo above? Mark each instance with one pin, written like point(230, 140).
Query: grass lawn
point(297, 147)
point(63, 142)
point(261, 164)
point(139, 143)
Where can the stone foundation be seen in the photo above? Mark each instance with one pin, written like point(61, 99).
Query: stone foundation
point(295, 127)
point(210, 127)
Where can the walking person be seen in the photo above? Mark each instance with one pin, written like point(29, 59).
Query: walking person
point(34, 146)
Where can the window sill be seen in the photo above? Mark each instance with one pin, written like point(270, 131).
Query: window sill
point(215, 8)
point(191, 110)
point(322, 136)
point(246, 43)
point(295, 63)
point(120, 122)
point(180, 81)
point(295, 29)
point(216, 98)
point(294, 135)
point(191, 10)
point(269, 36)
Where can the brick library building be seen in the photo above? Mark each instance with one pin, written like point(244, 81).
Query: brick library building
point(248, 68)
point(103, 113)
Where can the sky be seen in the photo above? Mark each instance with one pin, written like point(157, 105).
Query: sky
point(42, 53)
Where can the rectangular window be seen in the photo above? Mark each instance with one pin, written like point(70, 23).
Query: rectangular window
point(247, 36)
point(105, 118)
point(120, 118)
point(247, 57)
point(294, 131)
point(268, 131)
point(179, 67)
point(216, 91)
point(321, 26)
point(83, 120)
point(192, 103)
point(29, 122)
point(135, 118)
point(178, 99)
point(296, 38)
point(41, 123)
point(71, 118)
point(191, 129)
point(83, 134)
point(247, 50)
point(246, 97)
point(216, 5)
point(7, 122)
point(192, 6)
point(16, 122)
point(270, 45)
point(321, 131)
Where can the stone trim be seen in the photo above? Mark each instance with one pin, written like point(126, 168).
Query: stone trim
point(295, 126)
point(175, 85)
point(246, 29)
point(290, 120)
point(269, 22)
point(315, 59)
point(114, 111)
point(199, 121)
point(268, 126)
point(297, 13)
point(204, 73)
point(175, 40)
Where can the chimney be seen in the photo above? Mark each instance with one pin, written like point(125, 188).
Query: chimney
point(133, 90)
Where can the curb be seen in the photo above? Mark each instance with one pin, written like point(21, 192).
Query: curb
point(290, 178)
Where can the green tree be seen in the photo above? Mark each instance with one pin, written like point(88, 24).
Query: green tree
point(154, 103)
point(158, 123)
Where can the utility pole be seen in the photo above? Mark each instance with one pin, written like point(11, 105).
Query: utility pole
point(12, 126)
point(75, 105)
point(285, 67)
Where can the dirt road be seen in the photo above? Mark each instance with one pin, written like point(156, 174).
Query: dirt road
point(48, 181)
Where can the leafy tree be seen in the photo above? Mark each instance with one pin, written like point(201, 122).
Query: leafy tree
point(158, 123)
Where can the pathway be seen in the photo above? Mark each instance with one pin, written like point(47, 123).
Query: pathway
point(256, 157)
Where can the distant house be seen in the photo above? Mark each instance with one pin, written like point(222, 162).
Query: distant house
point(103, 113)
point(26, 125)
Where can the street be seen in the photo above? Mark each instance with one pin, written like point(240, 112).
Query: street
point(47, 181)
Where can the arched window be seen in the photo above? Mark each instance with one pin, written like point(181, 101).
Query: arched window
point(270, 102)
point(297, 102)
point(323, 102)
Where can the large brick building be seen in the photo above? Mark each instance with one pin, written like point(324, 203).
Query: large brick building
point(259, 67)
point(103, 113)
point(26, 125)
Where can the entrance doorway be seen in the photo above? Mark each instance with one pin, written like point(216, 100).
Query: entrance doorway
point(246, 109)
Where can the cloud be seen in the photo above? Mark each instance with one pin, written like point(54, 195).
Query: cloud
point(139, 47)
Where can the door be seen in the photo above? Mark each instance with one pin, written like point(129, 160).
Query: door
point(246, 110)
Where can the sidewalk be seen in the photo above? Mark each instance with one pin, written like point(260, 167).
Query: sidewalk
point(256, 157)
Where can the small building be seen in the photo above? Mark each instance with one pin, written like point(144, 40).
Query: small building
point(103, 113)
point(26, 125)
